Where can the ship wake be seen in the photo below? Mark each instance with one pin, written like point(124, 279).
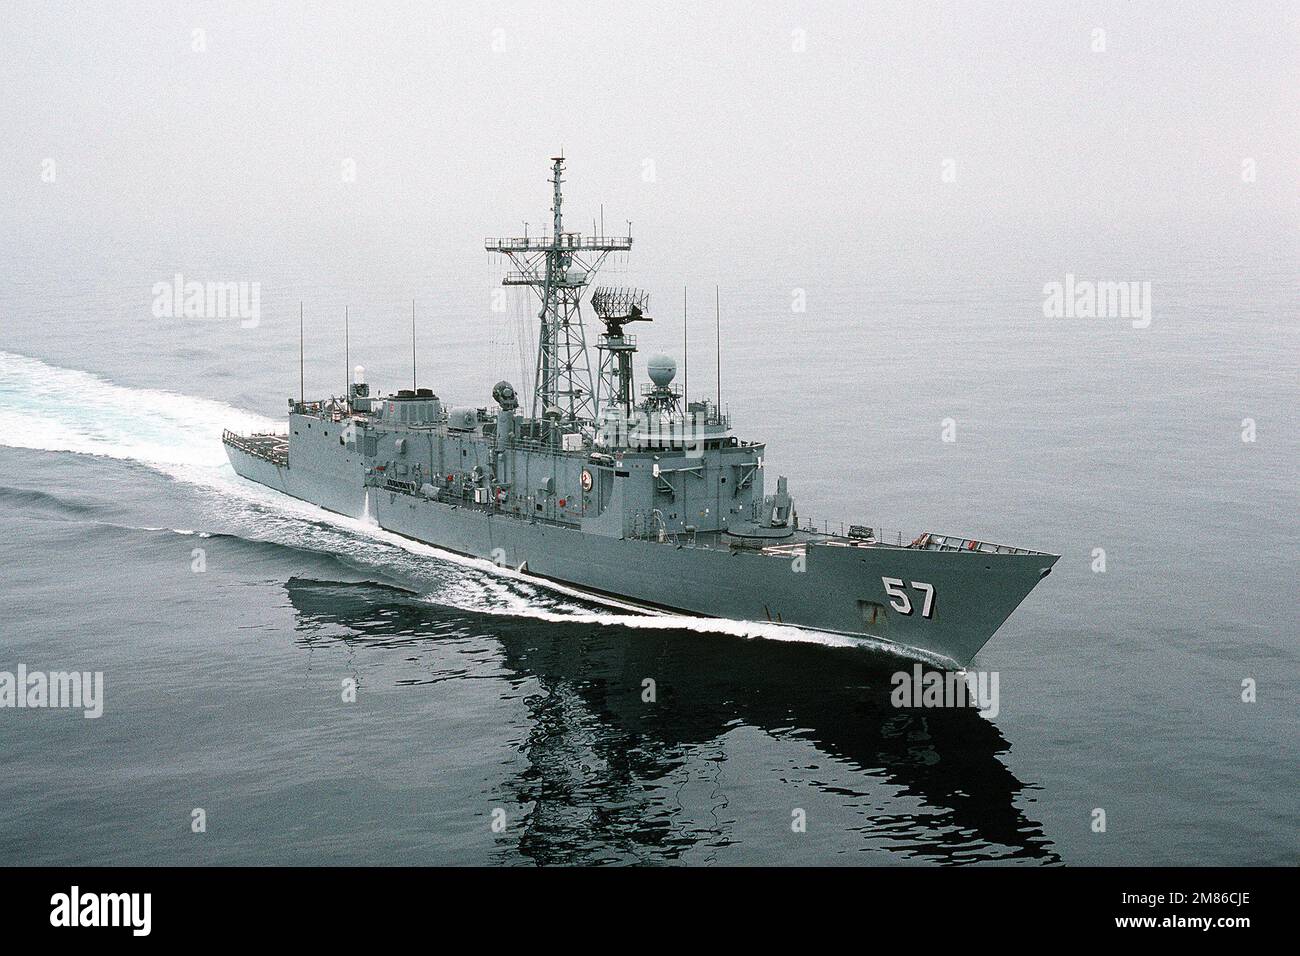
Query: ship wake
point(47, 408)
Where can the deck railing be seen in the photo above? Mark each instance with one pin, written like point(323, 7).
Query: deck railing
point(926, 541)
point(272, 448)
point(867, 533)
point(568, 241)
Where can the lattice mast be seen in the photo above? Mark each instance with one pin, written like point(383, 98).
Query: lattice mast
point(559, 268)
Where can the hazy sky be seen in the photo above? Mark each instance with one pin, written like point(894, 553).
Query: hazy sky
point(721, 122)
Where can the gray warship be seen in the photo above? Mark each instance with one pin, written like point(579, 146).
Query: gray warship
point(642, 495)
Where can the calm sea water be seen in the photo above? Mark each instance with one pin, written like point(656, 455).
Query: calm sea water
point(477, 693)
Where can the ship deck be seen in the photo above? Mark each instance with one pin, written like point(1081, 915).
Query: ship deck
point(272, 448)
point(798, 540)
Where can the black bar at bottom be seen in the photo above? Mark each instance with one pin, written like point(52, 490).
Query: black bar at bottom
point(974, 903)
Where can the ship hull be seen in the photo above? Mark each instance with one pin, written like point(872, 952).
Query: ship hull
point(833, 588)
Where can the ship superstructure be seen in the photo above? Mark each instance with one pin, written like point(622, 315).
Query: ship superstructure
point(640, 494)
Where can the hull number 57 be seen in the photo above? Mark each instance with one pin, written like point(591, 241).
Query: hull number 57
point(902, 603)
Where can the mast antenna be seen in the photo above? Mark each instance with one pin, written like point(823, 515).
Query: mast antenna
point(559, 267)
point(412, 345)
point(347, 360)
point(717, 331)
point(302, 387)
point(686, 373)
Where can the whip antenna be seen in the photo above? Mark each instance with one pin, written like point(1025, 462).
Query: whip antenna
point(717, 331)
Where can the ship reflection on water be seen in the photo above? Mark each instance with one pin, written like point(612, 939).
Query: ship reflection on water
point(601, 773)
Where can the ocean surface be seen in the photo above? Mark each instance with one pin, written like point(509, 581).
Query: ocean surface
point(488, 699)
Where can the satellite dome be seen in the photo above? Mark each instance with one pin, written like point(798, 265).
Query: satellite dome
point(662, 369)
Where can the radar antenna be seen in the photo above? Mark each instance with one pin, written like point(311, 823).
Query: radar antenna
point(558, 268)
point(616, 308)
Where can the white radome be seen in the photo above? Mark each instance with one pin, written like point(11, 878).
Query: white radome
point(661, 369)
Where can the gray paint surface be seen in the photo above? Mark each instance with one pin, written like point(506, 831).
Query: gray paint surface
point(597, 540)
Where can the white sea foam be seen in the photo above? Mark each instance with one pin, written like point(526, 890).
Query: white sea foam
point(47, 408)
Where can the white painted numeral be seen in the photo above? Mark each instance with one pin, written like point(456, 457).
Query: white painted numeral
point(901, 603)
point(894, 588)
point(927, 609)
